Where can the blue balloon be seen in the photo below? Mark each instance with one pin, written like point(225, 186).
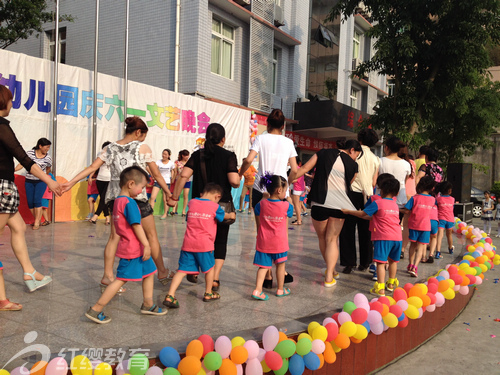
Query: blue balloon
point(402, 317)
point(465, 261)
point(312, 362)
point(366, 325)
point(439, 278)
point(475, 254)
point(169, 357)
point(296, 365)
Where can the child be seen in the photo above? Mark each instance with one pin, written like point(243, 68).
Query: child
point(433, 237)
point(198, 246)
point(149, 188)
point(92, 194)
point(5, 304)
point(445, 204)
point(386, 233)
point(497, 216)
point(133, 249)
point(419, 222)
point(46, 198)
point(487, 216)
point(272, 234)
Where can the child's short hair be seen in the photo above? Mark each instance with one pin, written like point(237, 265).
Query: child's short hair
point(389, 186)
point(487, 192)
point(272, 182)
point(382, 177)
point(212, 188)
point(134, 173)
point(443, 187)
point(426, 183)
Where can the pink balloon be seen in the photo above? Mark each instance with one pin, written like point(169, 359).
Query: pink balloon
point(262, 354)
point(223, 346)
point(318, 346)
point(430, 308)
point(439, 299)
point(328, 320)
point(445, 274)
point(239, 370)
point(420, 312)
point(254, 367)
point(344, 317)
point(464, 290)
point(155, 370)
point(378, 328)
point(403, 304)
point(374, 317)
point(58, 366)
point(479, 281)
point(121, 369)
point(20, 371)
point(270, 338)
point(360, 299)
point(253, 349)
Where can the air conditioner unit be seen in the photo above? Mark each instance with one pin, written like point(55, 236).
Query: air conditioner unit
point(242, 2)
point(302, 100)
point(355, 64)
point(279, 18)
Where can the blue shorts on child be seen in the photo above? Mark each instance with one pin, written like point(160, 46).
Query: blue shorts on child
point(93, 196)
point(384, 250)
point(446, 224)
point(135, 269)
point(434, 227)
point(1, 266)
point(265, 260)
point(422, 236)
point(191, 262)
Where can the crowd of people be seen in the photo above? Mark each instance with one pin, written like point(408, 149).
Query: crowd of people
point(393, 201)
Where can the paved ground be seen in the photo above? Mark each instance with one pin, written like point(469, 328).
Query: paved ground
point(72, 254)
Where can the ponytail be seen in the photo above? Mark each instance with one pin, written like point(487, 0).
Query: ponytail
point(215, 134)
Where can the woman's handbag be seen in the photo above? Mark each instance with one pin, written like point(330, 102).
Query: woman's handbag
point(228, 207)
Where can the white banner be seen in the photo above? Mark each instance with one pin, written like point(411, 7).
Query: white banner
point(175, 121)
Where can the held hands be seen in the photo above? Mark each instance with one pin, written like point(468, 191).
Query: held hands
point(147, 253)
point(171, 202)
point(55, 187)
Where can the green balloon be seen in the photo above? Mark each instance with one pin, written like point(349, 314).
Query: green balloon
point(479, 270)
point(285, 348)
point(349, 307)
point(304, 346)
point(138, 364)
point(283, 369)
point(212, 361)
point(171, 371)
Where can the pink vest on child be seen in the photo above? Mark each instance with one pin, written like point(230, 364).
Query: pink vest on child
point(445, 207)
point(420, 217)
point(272, 236)
point(385, 221)
point(434, 213)
point(201, 226)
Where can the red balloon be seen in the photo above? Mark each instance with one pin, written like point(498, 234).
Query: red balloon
point(407, 287)
point(396, 310)
point(333, 331)
point(457, 278)
point(376, 306)
point(472, 279)
point(403, 323)
point(474, 264)
point(400, 294)
point(273, 360)
point(432, 296)
point(384, 300)
point(488, 240)
point(433, 288)
point(452, 269)
point(359, 316)
point(432, 280)
point(336, 317)
point(208, 344)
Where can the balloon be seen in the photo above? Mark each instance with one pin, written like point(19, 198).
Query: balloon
point(122, 368)
point(348, 328)
point(208, 344)
point(396, 310)
point(318, 346)
point(304, 346)
point(212, 361)
point(349, 307)
point(273, 360)
point(80, 365)
point(403, 323)
point(376, 306)
point(464, 290)
point(270, 338)
point(305, 335)
point(378, 328)
point(261, 355)
point(391, 320)
point(344, 317)
point(169, 357)
point(253, 367)
point(312, 361)
point(374, 317)
point(311, 327)
point(171, 371)
point(415, 301)
point(320, 333)
point(189, 365)
point(154, 370)
point(57, 366)
point(360, 299)
point(361, 332)
point(237, 341)
point(329, 354)
point(296, 365)
point(4, 372)
point(284, 368)
point(239, 355)
point(430, 308)
point(403, 304)
point(328, 320)
point(20, 371)
point(286, 348)
point(223, 346)
point(227, 367)
point(342, 341)
point(359, 315)
point(195, 349)
point(38, 368)
point(104, 368)
point(283, 337)
point(252, 348)
point(333, 331)
point(139, 364)
point(411, 312)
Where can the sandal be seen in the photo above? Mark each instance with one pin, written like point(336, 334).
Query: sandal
point(153, 310)
point(45, 223)
point(97, 317)
point(213, 296)
point(167, 279)
point(104, 286)
point(261, 296)
point(6, 305)
point(392, 284)
point(295, 222)
point(171, 301)
point(378, 289)
point(285, 292)
point(192, 278)
point(215, 288)
point(35, 284)
point(429, 260)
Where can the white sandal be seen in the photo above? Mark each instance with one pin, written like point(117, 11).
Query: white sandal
point(35, 284)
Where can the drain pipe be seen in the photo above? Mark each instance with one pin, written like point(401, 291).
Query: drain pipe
point(177, 45)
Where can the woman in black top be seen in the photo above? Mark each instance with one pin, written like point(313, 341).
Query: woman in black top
point(9, 197)
point(221, 168)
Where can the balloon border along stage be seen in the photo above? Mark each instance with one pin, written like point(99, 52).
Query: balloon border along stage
point(318, 346)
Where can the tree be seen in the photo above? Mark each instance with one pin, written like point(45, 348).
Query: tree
point(19, 19)
point(435, 50)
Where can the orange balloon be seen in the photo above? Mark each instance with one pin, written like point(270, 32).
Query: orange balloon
point(415, 291)
point(465, 281)
point(426, 300)
point(321, 360)
point(329, 353)
point(342, 340)
point(189, 365)
point(239, 355)
point(282, 336)
point(39, 368)
point(195, 349)
point(227, 368)
point(443, 286)
point(355, 340)
point(481, 276)
point(385, 310)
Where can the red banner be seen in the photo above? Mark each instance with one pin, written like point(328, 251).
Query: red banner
point(309, 143)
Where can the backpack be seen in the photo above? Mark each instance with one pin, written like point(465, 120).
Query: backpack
point(434, 171)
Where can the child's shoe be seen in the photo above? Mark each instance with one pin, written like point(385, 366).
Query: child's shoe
point(392, 284)
point(413, 271)
point(450, 250)
point(374, 277)
point(409, 267)
point(372, 268)
point(378, 289)
point(171, 301)
point(153, 310)
point(97, 317)
point(438, 255)
point(429, 260)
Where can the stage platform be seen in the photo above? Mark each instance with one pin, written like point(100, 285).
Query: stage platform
point(72, 253)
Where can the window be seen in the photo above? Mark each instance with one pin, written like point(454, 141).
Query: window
point(354, 98)
point(52, 45)
point(222, 48)
point(356, 45)
point(275, 71)
point(390, 87)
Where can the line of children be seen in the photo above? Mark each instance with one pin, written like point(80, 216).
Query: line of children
point(133, 249)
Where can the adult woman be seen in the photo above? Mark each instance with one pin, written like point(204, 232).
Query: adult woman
point(220, 167)
point(9, 202)
point(430, 168)
point(102, 182)
point(336, 169)
point(35, 187)
point(165, 165)
point(119, 155)
point(275, 153)
point(179, 165)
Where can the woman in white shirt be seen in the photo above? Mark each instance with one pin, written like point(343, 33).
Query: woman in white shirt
point(166, 166)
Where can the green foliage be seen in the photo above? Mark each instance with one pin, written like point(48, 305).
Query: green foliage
point(436, 53)
point(481, 168)
point(331, 87)
point(495, 189)
point(19, 19)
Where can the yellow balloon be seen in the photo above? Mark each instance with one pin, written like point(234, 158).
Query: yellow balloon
point(424, 288)
point(80, 365)
point(451, 282)
point(348, 328)
point(304, 335)
point(237, 341)
point(202, 372)
point(362, 332)
point(415, 301)
point(448, 294)
point(265, 368)
point(320, 333)
point(312, 326)
point(103, 369)
point(390, 320)
point(336, 349)
point(483, 267)
point(392, 301)
point(4, 372)
point(411, 312)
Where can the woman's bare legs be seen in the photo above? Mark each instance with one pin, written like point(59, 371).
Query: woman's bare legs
point(154, 194)
point(185, 195)
point(148, 223)
point(297, 206)
point(328, 232)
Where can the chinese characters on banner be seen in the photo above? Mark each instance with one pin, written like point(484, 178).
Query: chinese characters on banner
point(309, 143)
